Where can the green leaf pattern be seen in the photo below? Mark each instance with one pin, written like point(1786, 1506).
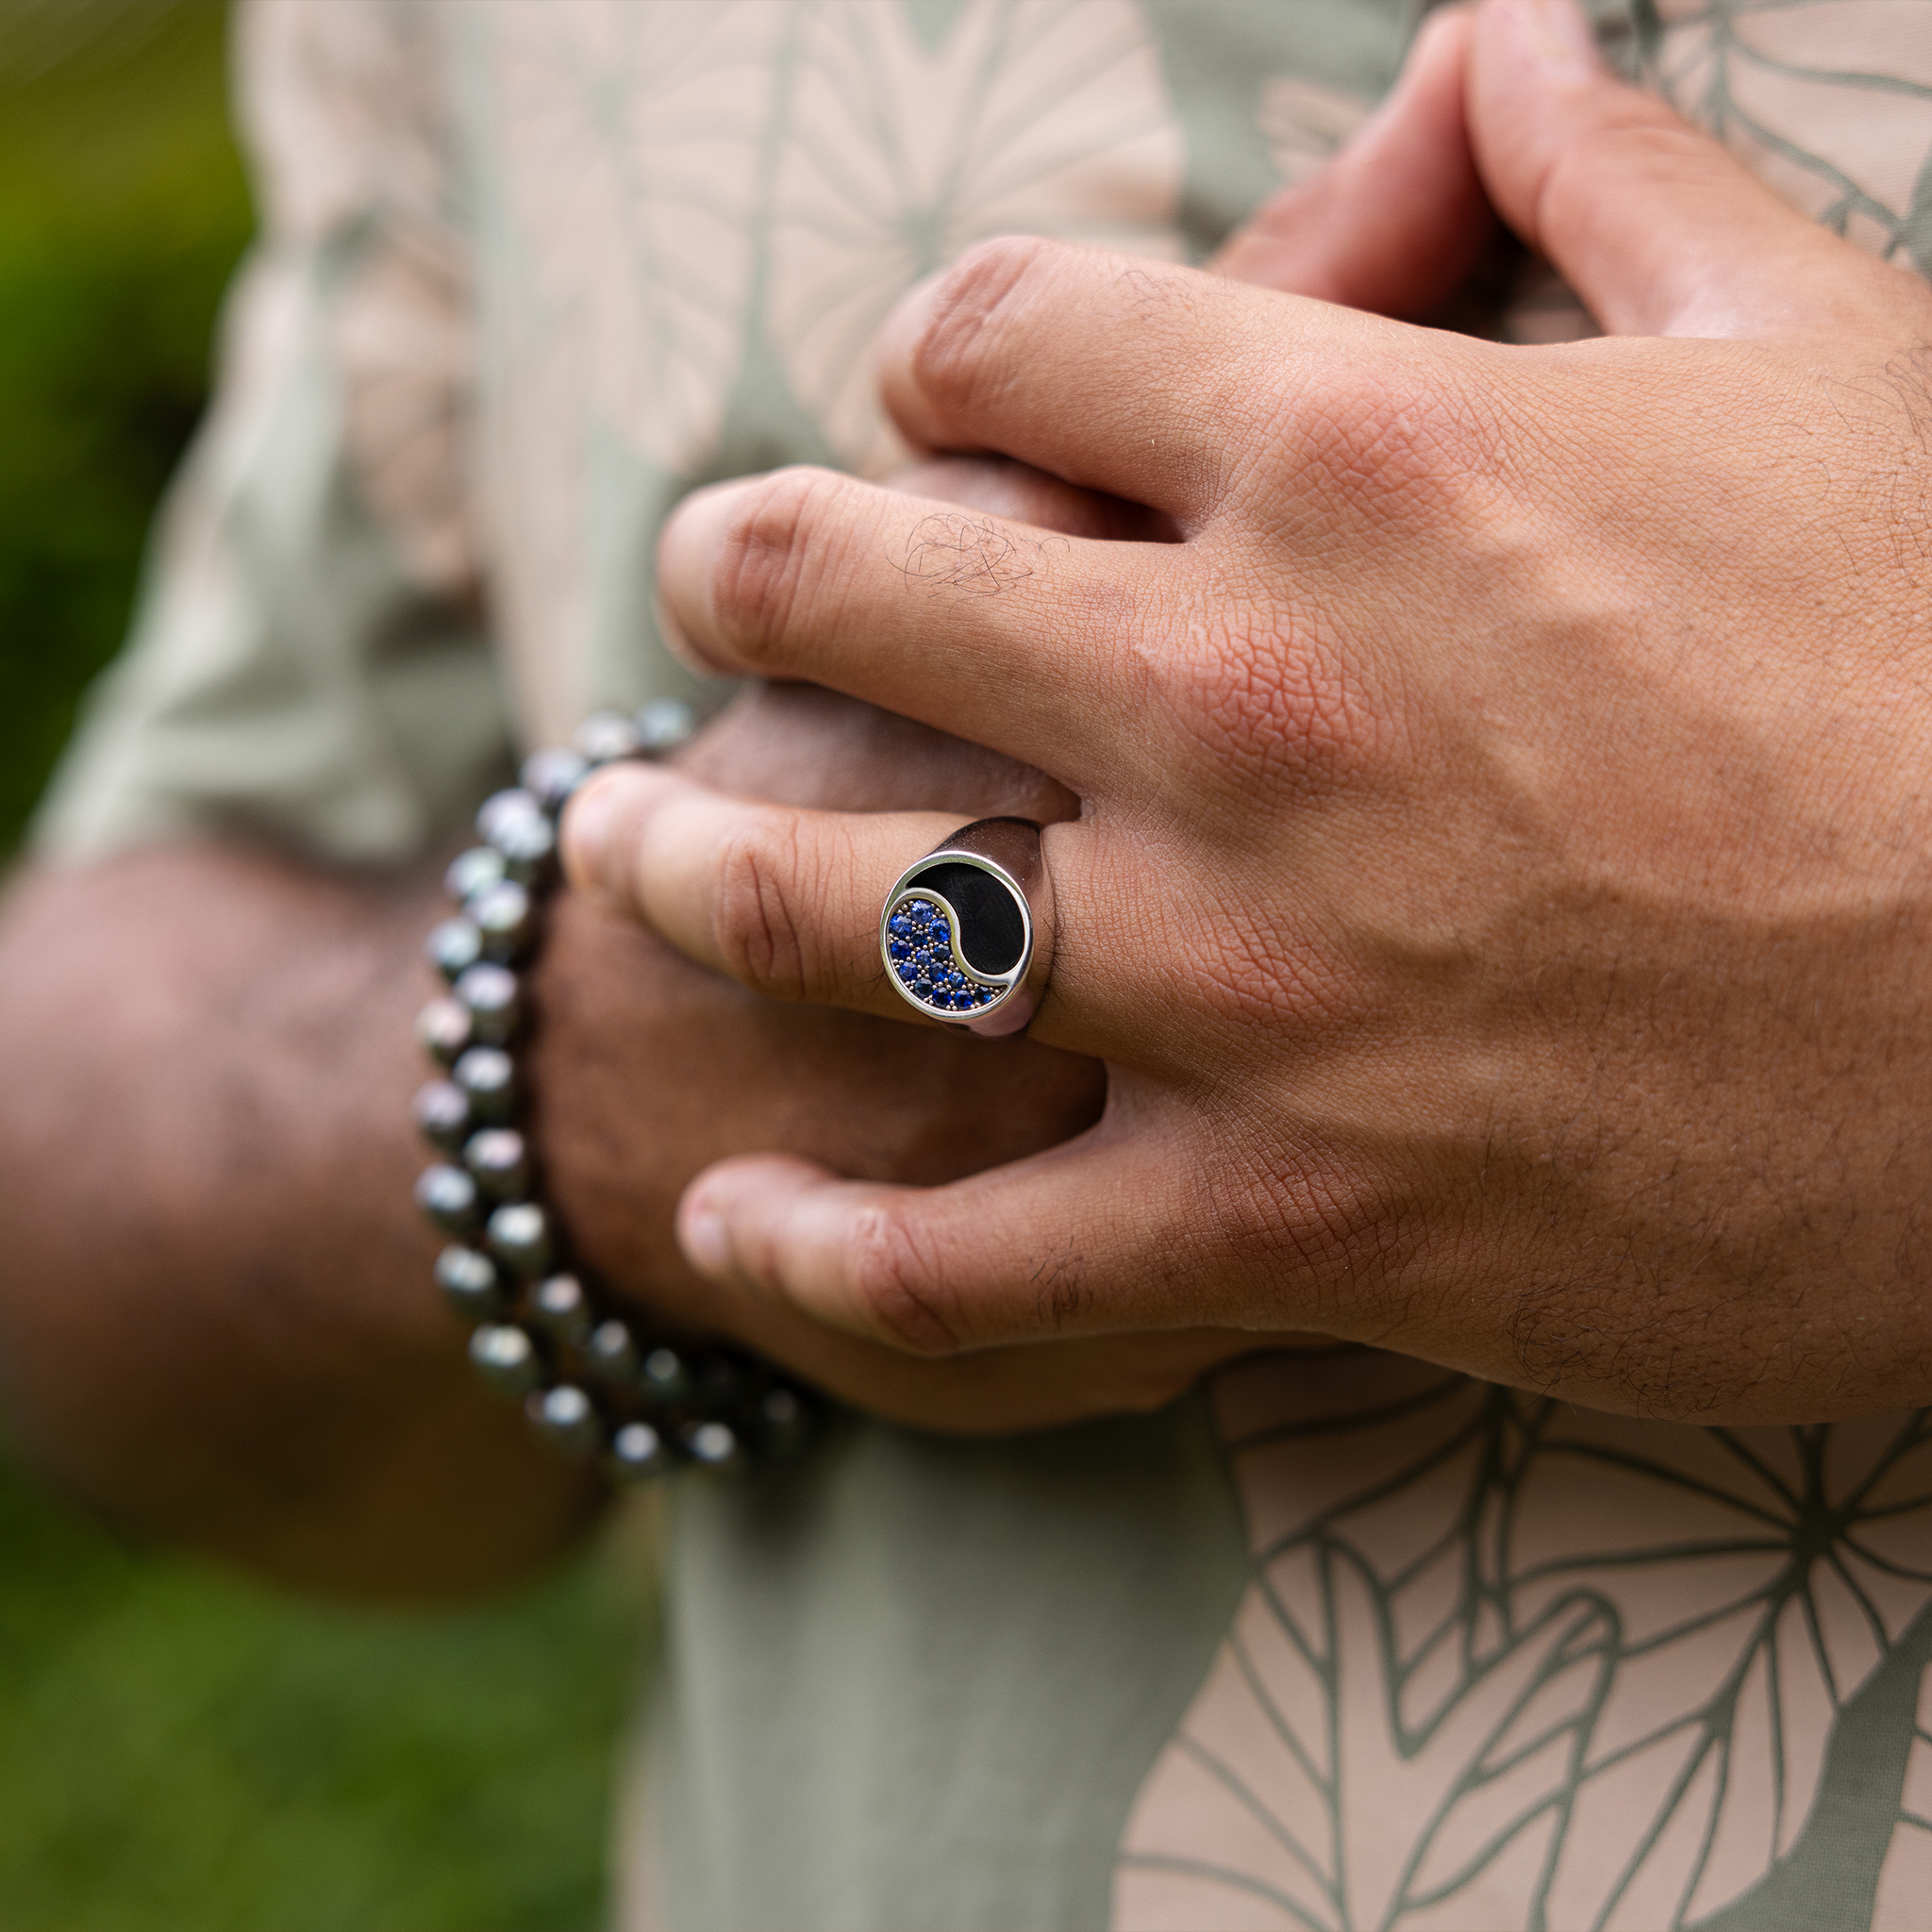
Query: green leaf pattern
point(1511, 1664)
point(1828, 102)
point(897, 155)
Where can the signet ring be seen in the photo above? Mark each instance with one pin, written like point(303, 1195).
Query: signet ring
point(966, 933)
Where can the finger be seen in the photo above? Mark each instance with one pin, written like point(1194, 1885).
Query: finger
point(1111, 372)
point(992, 1391)
point(1082, 1240)
point(993, 631)
point(1026, 495)
point(1656, 228)
point(803, 744)
point(1397, 220)
point(785, 901)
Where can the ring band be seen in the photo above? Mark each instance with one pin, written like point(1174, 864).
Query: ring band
point(966, 933)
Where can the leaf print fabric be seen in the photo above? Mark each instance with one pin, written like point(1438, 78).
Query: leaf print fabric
point(1828, 103)
point(1304, 122)
point(629, 142)
point(709, 208)
point(1043, 119)
point(635, 136)
point(1508, 1663)
point(1905, 1889)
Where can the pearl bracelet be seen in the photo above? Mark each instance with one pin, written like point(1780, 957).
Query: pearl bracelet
point(590, 1383)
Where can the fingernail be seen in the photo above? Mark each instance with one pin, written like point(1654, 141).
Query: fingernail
point(674, 640)
point(585, 834)
point(706, 1241)
point(687, 551)
point(1568, 40)
point(897, 343)
point(907, 318)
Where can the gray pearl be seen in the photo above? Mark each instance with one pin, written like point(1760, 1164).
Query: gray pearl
point(470, 1284)
point(662, 725)
point(529, 848)
point(453, 947)
point(559, 1306)
point(473, 872)
point(488, 994)
point(612, 1351)
point(448, 1197)
point(566, 1418)
point(506, 1359)
point(603, 737)
point(664, 1377)
point(551, 776)
point(639, 1454)
point(442, 1114)
point(504, 920)
point(784, 1422)
point(721, 1382)
point(714, 1446)
point(488, 1076)
point(519, 1237)
point(501, 808)
point(443, 1030)
point(499, 1162)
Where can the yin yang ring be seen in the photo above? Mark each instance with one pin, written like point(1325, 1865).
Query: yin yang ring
point(966, 933)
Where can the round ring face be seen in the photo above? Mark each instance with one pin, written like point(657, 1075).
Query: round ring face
point(955, 936)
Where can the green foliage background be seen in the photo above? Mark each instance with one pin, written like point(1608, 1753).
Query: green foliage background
point(182, 1751)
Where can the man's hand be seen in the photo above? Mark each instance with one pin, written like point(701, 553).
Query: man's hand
point(217, 1321)
point(1501, 895)
point(647, 1068)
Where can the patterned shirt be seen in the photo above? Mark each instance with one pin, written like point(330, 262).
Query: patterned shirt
point(1339, 1644)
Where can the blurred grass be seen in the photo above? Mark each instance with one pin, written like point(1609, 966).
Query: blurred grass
point(122, 210)
point(181, 1751)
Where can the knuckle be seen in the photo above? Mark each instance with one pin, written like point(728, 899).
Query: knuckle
point(1276, 699)
point(895, 1279)
point(988, 283)
point(776, 547)
point(1278, 703)
point(1393, 443)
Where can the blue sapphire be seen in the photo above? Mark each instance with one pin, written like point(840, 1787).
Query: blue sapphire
point(901, 949)
point(900, 926)
point(922, 987)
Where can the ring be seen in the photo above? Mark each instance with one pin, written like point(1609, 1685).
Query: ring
point(966, 932)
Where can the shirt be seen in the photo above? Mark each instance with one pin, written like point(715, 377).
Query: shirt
point(1346, 1643)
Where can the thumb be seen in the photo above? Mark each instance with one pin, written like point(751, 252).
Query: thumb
point(1396, 220)
point(1656, 228)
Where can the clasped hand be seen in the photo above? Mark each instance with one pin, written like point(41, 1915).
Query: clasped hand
point(1500, 895)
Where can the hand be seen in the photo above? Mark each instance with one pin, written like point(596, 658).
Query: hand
point(1500, 893)
point(646, 1069)
point(1394, 221)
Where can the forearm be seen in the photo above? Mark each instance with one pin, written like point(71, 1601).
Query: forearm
point(217, 1321)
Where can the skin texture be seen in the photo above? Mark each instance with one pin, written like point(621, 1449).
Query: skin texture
point(216, 1323)
point(1500, 893)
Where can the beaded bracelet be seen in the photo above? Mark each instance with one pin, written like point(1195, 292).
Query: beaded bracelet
point(591, 1385)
